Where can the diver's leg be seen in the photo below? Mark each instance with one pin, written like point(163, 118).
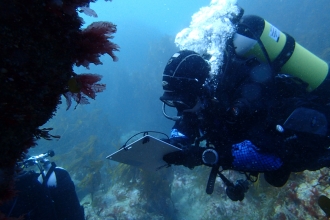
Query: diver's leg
point(278, 177)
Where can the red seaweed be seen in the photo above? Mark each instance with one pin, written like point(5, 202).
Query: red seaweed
point(83, 84)
point(94, 42)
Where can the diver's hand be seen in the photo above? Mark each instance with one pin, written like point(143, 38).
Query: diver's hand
point(189, 157)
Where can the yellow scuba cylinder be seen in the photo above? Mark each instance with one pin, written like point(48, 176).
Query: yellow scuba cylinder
point(256, 37)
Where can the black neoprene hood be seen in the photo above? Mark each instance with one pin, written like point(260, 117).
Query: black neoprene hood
point(185, 72)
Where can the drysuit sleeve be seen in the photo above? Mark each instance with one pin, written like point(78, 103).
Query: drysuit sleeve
point(246, 157)
point(185, 131)
point(183, 135)
point(65, 198)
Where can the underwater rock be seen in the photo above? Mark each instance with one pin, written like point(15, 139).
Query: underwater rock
point(40, 42)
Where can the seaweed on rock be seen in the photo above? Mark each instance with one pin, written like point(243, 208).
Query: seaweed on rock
point(40, 42)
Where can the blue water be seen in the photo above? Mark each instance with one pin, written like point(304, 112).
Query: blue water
point(145, 33)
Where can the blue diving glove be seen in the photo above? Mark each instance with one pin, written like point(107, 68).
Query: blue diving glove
point(247, 157)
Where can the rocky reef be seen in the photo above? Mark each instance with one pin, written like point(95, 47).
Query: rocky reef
point(184, 196)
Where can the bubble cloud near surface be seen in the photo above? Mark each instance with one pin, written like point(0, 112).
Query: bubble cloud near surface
point(209, 30)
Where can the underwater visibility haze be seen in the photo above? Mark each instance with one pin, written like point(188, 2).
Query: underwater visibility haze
point(127, 101)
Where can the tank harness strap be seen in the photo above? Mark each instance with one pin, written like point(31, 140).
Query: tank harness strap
point(50, 171)
point(285, 54)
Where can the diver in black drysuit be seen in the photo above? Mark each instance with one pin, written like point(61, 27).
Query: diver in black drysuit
point(52, 197)
point(252, 124)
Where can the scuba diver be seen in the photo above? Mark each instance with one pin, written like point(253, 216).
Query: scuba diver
point(49, 194)
point(264, 112)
